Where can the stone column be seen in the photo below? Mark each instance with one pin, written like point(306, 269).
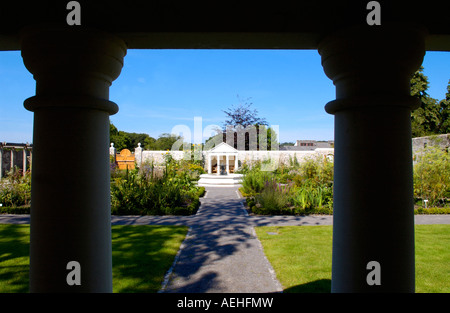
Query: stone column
point(12, 152)
point(1, 161)
point(373, 218)
point(236, 164)
point(70, 213)
point(24, 161)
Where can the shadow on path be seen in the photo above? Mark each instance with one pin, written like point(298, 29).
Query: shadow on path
point(318, 286)
point(221, 252)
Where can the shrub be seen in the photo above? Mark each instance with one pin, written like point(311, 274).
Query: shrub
point(142, 192)
point(432, 175)
point(15, 189)
point(308, 198)
point(433, 210)
point(308, 188)
point(314, 171)
point(253, 182)
point(274, 198)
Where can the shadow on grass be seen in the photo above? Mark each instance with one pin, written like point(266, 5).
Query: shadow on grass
point(14, 258)
point(142, 255)
point(318, 286)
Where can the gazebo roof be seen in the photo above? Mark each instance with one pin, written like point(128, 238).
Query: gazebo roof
point(223, 148)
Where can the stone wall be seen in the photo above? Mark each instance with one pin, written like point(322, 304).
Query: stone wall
point(442, 141)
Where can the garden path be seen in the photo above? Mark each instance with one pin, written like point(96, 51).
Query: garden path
point(221, 252)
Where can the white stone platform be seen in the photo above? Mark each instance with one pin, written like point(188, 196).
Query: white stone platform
point(215, 180)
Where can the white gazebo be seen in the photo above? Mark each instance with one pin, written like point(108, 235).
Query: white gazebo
point(222, 159)
point(222, 164)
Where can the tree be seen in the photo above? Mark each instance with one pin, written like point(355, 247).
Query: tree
point(165, 142)
point(244, 130)
point(242, 115)
point(444, 111)
point(425, 120)
point(141, 138)
point(119, 138)
point(124, 140)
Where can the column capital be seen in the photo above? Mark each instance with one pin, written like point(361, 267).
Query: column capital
point(373, 63)
point(72, 64)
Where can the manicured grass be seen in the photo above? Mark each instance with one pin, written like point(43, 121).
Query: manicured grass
point(301, 257)
point(141, 256)
point(14, 257)
point(433, 258)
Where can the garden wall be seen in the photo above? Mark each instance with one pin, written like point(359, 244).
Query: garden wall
point(244, 156)
point(442, 141)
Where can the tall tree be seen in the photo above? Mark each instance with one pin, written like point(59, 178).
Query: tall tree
point(119, 138)
point(245, 130)
point(425, 119)
point(242, 115)
point(444, 111)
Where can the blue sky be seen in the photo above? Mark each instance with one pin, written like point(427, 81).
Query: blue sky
point(160, 89)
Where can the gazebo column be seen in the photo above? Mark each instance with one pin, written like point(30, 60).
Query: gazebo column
point(209, 164)
point(218, 164)
point(70, 248)
point(371, 68)
point(227, 159)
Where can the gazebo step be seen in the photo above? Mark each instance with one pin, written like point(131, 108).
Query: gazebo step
point(220, 180)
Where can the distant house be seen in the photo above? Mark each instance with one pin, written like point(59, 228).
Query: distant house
point(308, 145)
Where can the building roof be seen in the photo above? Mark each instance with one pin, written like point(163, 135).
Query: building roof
point(223, 147)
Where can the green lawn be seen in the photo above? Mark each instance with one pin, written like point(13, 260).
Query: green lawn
point(301, 257)
point(141, 256)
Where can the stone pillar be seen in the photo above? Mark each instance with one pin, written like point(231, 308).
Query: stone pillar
point(1, 161)
point(112, 150)
point(12, 152)
point(24, 161)
point(236, 164)
point(138, 154)
point(70, 206)
point(373, 213)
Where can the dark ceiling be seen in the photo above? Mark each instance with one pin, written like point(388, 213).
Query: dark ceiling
point(224, 24)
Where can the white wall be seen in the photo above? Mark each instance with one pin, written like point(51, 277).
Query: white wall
point(244, 156)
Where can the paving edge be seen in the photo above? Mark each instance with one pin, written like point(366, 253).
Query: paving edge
point(174, 263)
